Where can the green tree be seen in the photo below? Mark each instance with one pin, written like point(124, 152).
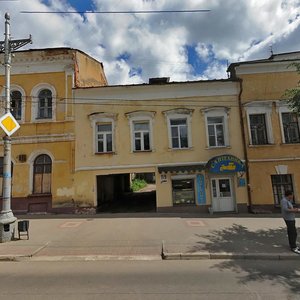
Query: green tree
point(292, 95)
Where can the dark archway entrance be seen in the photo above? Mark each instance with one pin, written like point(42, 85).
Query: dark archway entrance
point(115, 194)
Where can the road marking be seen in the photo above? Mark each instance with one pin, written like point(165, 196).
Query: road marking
point(70, 224)
point(195, 223)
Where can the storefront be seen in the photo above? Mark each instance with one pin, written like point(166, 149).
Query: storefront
point(216, 186)
point(226, 175)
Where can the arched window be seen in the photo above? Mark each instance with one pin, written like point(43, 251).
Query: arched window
point(16, 104)
point(42, 168)
point(45, 104)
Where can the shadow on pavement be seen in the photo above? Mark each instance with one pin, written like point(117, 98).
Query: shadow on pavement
point(238, 239)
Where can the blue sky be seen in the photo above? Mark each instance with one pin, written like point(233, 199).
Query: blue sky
point(182, 46)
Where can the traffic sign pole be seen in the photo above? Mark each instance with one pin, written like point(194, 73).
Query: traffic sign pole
point(7, 219)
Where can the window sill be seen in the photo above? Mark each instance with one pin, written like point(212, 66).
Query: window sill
point(217, 147)
point(142, 151)
point(180, 149)
point(290, 144)
point(264, 145)
point(103, 153)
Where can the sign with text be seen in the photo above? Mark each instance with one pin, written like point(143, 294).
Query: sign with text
point(225, 164)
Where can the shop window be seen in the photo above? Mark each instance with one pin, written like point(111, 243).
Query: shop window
point(42, 169)
point(290, 124)
point(281, 184)
point(16, 104)
point(258, 129)
point(183, 191)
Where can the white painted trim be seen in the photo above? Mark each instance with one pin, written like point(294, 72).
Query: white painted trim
point(217, 112)
point(42, 139)
point(34, 102)
point(141, 116)
point(260, 107)
point(284, 108)
point(274, 159)
point(179, 113)
point(103, 118)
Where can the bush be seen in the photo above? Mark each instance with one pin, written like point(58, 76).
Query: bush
point(137, 184)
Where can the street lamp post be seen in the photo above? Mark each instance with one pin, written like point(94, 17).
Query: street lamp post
point(7, 219)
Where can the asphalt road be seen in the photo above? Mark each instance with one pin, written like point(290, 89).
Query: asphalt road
point(203, 279)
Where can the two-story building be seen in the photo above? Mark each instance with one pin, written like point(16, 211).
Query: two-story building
point(187, 135)
point(43, 149)
point(270, 128)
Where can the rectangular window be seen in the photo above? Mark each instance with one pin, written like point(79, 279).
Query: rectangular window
point(215, 131)
point(104, 137)
point(16, 104)
point(258, 129)
point(179, 133)
point(290, 127)
point(280, 184)
point(45, 108)
point(183, 191)
point(141, 134)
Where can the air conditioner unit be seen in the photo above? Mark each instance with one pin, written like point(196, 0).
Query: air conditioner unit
point(22, 157)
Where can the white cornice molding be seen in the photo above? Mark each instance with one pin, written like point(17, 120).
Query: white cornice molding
point(265, 67)
point(67, 137)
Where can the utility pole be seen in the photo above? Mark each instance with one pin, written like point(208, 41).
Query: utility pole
point(7, 219)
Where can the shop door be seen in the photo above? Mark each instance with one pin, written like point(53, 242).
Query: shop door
point(222, 196)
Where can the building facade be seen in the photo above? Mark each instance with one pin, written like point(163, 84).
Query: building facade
point(270, 128)
point(42, 102)
point(186, 135)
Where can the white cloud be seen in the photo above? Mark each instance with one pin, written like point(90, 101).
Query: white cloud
point(155, 44)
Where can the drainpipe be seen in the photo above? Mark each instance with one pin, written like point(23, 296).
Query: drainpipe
point(244, 144)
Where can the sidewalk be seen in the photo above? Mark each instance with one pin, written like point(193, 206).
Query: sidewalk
point(148, 237)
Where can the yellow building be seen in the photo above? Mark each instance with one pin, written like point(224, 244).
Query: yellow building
point(271, 129)
point(186, 136)
point(42, 102)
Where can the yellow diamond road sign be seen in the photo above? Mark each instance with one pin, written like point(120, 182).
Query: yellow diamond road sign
point(9, 124)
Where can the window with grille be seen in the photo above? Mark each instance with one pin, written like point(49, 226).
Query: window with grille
point(258, 129)
point(280, 184)
point(290, 126)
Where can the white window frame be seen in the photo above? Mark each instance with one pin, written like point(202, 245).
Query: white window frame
point(141, 116)
point(103, 118)
point(260, 107)
point(174, 114)
point(283, 108)
point(217, 112)
point(35, 103)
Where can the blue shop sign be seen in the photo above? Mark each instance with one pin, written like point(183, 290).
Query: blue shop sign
point(225, 164)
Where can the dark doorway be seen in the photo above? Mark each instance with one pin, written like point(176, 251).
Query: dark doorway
point(115, 194)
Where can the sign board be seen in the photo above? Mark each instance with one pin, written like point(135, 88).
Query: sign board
point(9, 124)
point(225, 164)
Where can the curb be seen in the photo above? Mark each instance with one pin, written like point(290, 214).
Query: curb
point(226, 255)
